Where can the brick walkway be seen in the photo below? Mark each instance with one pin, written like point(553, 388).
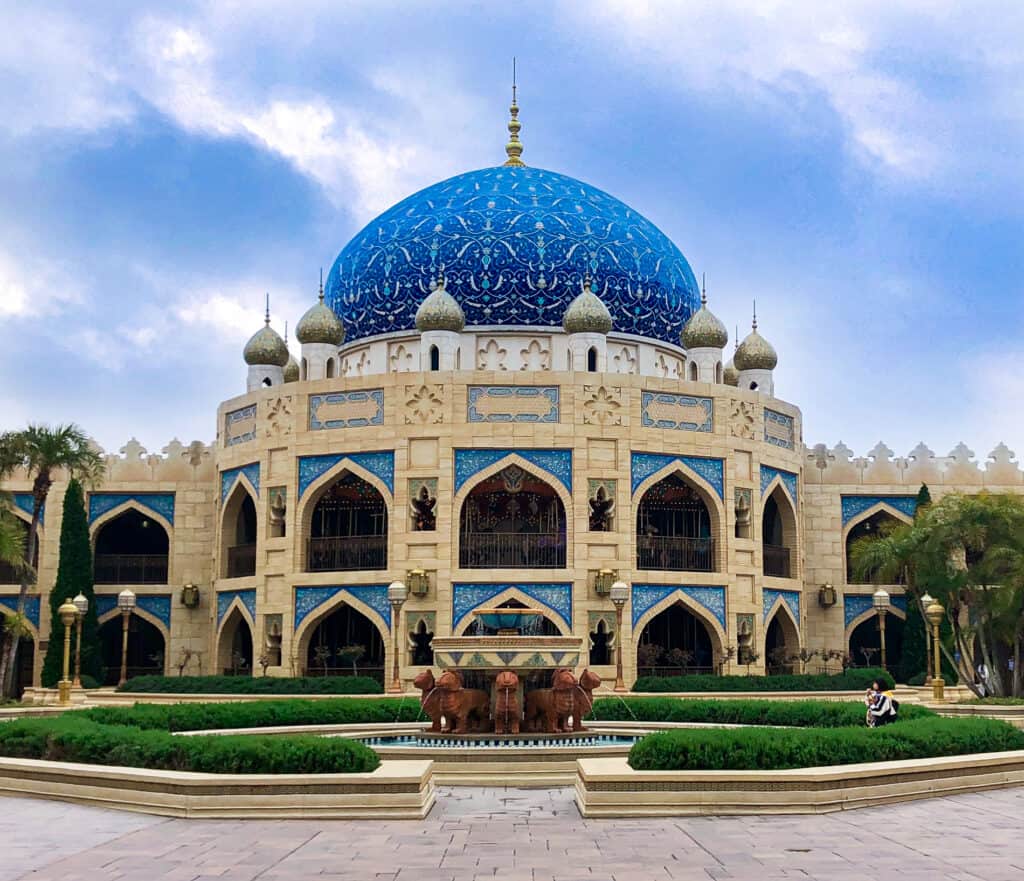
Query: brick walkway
point(522, 835)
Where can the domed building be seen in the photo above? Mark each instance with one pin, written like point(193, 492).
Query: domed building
point(510, 391)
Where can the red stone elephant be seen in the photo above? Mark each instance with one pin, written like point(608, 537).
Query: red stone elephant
point(549, 709)
point(583, 700)
point(430, 698)
point(506, 703)
point(460, 705)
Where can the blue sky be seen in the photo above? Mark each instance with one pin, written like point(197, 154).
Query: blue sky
point(857, 170)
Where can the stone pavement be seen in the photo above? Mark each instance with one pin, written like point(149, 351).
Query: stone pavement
point(522, 835)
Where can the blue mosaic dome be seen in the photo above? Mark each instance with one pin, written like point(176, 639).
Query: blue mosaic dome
point(515, 245)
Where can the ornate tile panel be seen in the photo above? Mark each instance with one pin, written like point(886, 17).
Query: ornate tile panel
point(10, 601)
point(856, 604)
point(789, 481)
point(643, 465)
point(677, 412)
point(228, 478)
point(309, 599)
point(790, 597)
point(157, 605)
point(779, 429)
point(346, 409)
point(646, 596)
point(512, 403)
point(158, 503)
point(469, 596)
point(25, 501)
point(854, 506)
point(225, 599)
point(557, 463)
point(380, 464)
point(240, 426)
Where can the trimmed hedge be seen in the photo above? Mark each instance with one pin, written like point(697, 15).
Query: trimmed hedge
point(253, 685)
point(851, 680)
point(780, 748)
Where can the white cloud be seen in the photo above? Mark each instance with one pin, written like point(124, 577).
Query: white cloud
point(31, 287)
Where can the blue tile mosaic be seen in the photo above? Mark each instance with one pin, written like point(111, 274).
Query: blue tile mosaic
point(232, 419)
point(646, 596)
point(309, 599)
point(515, 245)
point(469, 596)
point(655, 408)
point(856, 604)
point(380, 464)
point(10, 602)
point(854, 506)
point(643, 465)
point(157, 605)
point(25, 501)
point(779, 429)
point(557, 463)
point(246, 597)
point(512, 403)
point(790, 597)
point(367, 407)
point(789, 481)
point(228, 478)
point(158, 503)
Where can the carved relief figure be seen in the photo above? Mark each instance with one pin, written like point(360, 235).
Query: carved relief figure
point(601, 509)
point(549, 709)
point(506, 703)
point(430, 698)
point(423, 517)
point(583, 701)
point(462, 705)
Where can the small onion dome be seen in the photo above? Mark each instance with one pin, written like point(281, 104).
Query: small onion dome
point(291, 370)
point(320, 324)
point(586, 313)
point(730, 375)
point(440, 311)
point(755, 352)
point(266, 347)
point(704, 330)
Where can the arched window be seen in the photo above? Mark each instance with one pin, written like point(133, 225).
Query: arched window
point(753, 386)
point(866, 642)
point(349, 528)
point(781, 644)
point(718, 372)
point(25, 663)
point(778, 535)
point(693, 371)
point(345, 643)
point(422, 650)
point(234, 652)
point(592, 360)
point(131, 549)
point(675, 642)
point(330, 368)
point(239, 535)
point(870, 527)
point(146, 649)
point(8, 574)
point(435, 358)
point(304, 369)
point(512, 520)
point(267, 382)
point(673, 529)
point(600, 648)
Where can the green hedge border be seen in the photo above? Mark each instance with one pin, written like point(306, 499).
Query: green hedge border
point(851, 680)
point(298, 685)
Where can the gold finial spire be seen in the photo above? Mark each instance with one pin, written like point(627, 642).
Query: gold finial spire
point(703, 289)
point(753, 324)
point(267, 316)
point(321, 284)
point(514, 149)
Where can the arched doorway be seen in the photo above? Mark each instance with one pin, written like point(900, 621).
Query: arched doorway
point(421, 649)
point(146, 648)
point(348, 528)
point(131, 548)
point(234, 652)
point(600, 644)
point(25, 664)
point(512, 520)
point(674, 529)
point(675, 642)
point(778, 534)
point(239, 534)
point(345, 643)
point(781, 644)
point(866, 642)
point(870, 527)
point(8, 573)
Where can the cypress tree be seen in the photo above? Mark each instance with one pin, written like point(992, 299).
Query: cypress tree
point(914, 657)
point(74, 576)
point(924, 498)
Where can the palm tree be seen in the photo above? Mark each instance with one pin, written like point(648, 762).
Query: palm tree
point(41, 451)
point(12, 536)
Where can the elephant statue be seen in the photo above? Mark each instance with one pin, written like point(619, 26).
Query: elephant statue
point(549, 709)
point(430, 698)
point(506, 703)
point(459, 704)
point(583, 700)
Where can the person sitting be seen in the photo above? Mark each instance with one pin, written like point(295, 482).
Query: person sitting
point(882, 707)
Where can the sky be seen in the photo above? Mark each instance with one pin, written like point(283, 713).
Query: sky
point(856, 168)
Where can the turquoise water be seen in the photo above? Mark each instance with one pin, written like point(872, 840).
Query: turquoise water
point(416, 741)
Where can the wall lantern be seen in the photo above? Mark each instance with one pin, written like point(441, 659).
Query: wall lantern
point(826, 596)
point(603, 581)
point(190, 596)
point(418, 582)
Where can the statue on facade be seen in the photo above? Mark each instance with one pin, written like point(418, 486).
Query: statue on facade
point(601, 509)
point(423, 517)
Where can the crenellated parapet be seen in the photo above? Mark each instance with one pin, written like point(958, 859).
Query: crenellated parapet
point(176, 462)
point(881, 466)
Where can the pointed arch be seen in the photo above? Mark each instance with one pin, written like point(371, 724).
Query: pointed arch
point(860, 525)
point(236, 641)
point(781, 635)
point(8, 573)
point(146, 639)
point(128, 555)
point(867, 615)
point(716, 635)
point(239, 531)
point(307, 627)
point(512, 592)
point(779, 532)
point(10, 604)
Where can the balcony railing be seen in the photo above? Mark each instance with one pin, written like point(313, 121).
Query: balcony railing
point(776, 561)
point(512, 550)
point(241, 561)
point(347, 553)
point(668, 553)
point(130, 569)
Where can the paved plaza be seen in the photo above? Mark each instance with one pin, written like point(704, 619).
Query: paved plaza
point(521, 835)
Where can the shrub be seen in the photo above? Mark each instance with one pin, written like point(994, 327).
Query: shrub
point(917, 680)
point(253, 685)
point(851, 680)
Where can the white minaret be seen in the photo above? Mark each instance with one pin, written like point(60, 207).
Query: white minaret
point(439, 320)
point(266, 354)
point(320, 332)
point(587, 321)
point(755, 359)
point(704, 337)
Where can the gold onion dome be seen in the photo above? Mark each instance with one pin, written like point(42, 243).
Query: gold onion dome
point(704, 330)
point(755, 352)
point(320, 324)
point(440, 311)
point(730, 375)
point(587, 314)
point(266, 346)
point(291, 369)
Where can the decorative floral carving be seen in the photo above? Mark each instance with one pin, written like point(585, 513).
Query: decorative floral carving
point(424, 404)
point(666, 367)
point(491, 357)
point(279, 416)
point(625, 360)
point(602, 406)
point(356, 363)
point(401, 358)
point(742, 420)
point(535, 357)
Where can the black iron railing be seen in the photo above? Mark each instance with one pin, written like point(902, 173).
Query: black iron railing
point(130, 569)
point(776, 561)
point(512, 550)
point(675, 554)
point(241, 561)
point(347, 553)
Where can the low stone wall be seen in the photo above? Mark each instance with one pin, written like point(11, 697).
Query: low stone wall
point(608, 787)
point(396, 790)
point(1012, 713)
point(107, 697)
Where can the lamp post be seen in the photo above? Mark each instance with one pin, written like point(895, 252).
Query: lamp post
point(925, 602)
point(619, 593)
point(67, 613)
point(934, 612)
point(880, 600)
point(397, 594)
point(81, 604)
point(126, 603)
